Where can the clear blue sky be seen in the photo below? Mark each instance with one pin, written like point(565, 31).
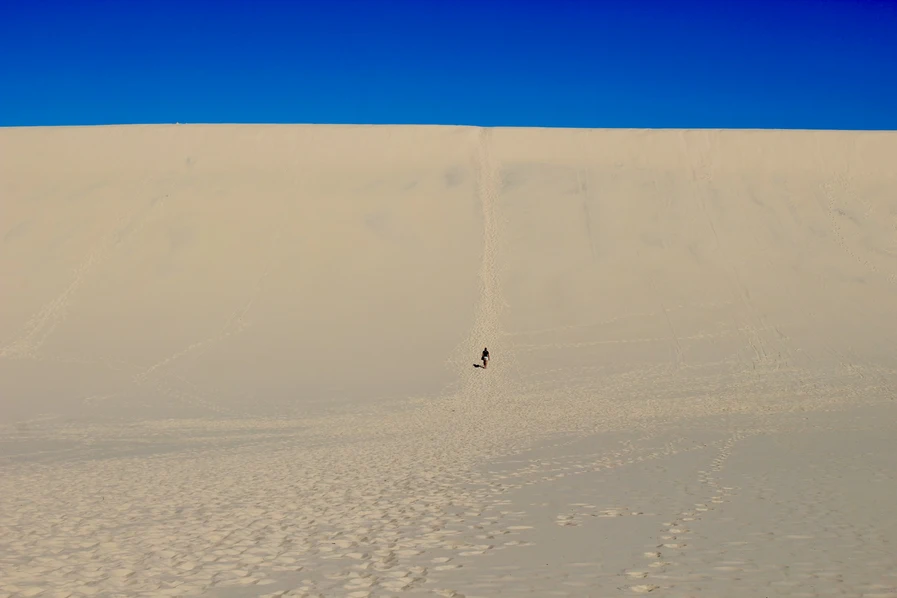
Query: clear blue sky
point(817, 64)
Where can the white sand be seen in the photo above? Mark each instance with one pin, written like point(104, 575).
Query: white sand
point(237, 361)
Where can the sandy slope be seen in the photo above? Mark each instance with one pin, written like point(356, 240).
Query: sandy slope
point(236, 361)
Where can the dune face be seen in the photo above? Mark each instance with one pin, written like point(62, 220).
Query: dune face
point(275, 267)
point(271, 268)
point(683, 326)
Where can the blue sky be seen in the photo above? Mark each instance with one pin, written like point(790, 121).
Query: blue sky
point(818, 64)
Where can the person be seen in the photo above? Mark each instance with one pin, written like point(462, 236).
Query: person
point(485, 357)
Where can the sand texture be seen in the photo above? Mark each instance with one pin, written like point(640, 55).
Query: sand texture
point(238, 361)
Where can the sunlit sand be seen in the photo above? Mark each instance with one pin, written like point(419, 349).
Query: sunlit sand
point(237, 361)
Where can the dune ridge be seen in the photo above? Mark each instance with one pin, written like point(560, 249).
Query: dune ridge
point(237, 361)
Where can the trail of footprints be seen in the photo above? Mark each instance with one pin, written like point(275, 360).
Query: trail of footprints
point(361, 523)
point(319, 522)
point(675, 535)
point(42, 324)
point(345, 520)
point(583, 510)
point(541, 471)
point(832, 193)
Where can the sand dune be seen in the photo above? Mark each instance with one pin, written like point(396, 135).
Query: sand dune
point(237, 361)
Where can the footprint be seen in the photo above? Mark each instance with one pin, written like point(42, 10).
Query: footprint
point(644, 589)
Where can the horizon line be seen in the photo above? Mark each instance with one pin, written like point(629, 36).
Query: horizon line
point(445, 125)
